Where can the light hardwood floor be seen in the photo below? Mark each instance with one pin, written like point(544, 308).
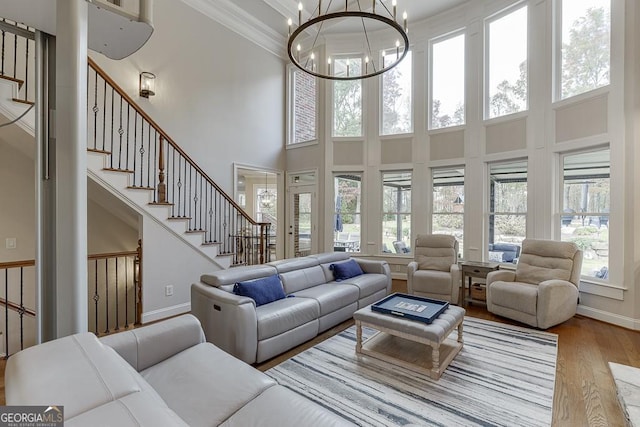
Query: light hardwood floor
point(584, 392)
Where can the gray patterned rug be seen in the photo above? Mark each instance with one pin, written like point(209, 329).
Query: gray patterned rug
point(503, 376)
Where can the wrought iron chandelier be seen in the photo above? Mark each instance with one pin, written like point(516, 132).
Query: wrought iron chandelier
point(306, 55)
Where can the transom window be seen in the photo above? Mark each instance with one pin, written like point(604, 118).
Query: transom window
point(507, 63)
point(585, 209)
point(447, 82)
point(583, 38)
point(303, 117)
point(448, 203)
point(396, 109)
point(396, 212)
point(347, 98)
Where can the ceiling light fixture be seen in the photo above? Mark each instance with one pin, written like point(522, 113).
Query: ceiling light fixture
point(306, 36)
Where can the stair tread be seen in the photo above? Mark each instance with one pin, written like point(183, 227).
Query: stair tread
point(161, 204)
point(11, 79)
point(118, 170)
point(175, 218)
point(95, 150)
point(195, 231)
point(23, 101)
point(211, 243)
point(133, 187)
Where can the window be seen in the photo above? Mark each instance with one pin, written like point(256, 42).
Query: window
point(507, 63)
point(396, 96)
point(304, 114)
point(396, 212)
point(347, 98)
point(347, 219)
point(585, 209)
point(584, 39)
point(507, 210)
point(448, 204)
point(447, 82)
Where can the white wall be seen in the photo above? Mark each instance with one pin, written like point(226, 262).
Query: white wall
point(220, 97)
point(605, 116)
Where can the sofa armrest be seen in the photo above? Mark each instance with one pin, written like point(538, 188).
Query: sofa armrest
point(557, 302)
point(376, 267)
point(412, 267)
point(501, 276)
point(149, 345)
point(229, 321)
point(456, 277)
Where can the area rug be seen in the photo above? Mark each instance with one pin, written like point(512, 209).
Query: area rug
point(503, 376)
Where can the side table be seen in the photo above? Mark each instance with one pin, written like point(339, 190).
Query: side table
point(471, 269)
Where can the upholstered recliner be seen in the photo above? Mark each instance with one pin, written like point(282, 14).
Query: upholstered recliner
point(543, 291)
point(434, 273)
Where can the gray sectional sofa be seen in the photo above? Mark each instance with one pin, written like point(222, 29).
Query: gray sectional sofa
point(314, 302)
point(164, 374)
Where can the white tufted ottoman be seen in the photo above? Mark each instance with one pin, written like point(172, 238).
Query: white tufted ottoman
point(404, 342)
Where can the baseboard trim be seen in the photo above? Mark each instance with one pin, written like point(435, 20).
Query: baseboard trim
point(605, 316)
point(163, 313)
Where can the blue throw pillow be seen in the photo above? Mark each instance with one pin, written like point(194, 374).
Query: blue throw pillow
point(262, 291)
point(346, 270)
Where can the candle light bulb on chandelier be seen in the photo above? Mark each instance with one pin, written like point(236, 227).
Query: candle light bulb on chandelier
point(394, 3)
point(300, 13)
point(404, 17)
point(290, 23)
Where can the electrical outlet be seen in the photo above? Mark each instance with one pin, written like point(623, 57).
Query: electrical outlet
point(168, 290)
point(10, 243)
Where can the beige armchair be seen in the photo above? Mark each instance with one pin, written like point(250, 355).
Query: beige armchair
point(435, 273)
point(543, 291)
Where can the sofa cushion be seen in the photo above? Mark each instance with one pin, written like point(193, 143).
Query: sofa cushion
point(285, 314)
point(262, 291)
point(330, 296)
point(522, 297)
point(345, 270)
point(368, 284)
point(204, 385)
point(297, 280)
point(85, 373)
point(299, 411)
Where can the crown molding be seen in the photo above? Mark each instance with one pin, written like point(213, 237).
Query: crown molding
point(242, 23)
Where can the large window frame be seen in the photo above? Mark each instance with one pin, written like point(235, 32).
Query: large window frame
point(447, 203)
point(513, 87)
point(432, 62)
point(292, 74)
point(506, 246)
point(559, 93)
point(396, 208)
point(409, 129)
point(585, 206)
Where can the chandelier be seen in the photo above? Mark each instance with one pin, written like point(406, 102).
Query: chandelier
point(267, 197)
point(303, 49)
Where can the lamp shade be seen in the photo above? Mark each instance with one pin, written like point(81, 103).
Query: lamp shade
point(147, 84)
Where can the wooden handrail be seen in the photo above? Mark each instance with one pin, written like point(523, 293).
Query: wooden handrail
point(17, 264)
point(112, 255)
point(175, 146)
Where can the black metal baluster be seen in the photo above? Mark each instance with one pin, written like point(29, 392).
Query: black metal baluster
point(126, 292)
point(187, 198)
point(95, 112)
point(112, 129)
point(6, 314)
point(15, 54)
point(135, 144)
point(142, 150)
point(96, 296)
point(149, 160)
point(106, 294)
point(179, 184)
point(2, 64)
point(128, 128)
point(120, 132)
point(21, 311)
point(104, 113)
point(173, 182)
point(117, 311)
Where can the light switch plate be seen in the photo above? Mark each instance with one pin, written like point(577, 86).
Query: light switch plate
point(10, 243)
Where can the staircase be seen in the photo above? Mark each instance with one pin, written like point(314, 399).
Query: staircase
point(132, 157)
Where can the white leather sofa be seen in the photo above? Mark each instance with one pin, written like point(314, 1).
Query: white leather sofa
point(315, 302)
point(164, 374)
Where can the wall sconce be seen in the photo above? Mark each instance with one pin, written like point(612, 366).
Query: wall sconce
point(147, 84)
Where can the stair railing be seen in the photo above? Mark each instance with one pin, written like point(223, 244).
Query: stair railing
point(135, 144)
point(115, 289)
point(17, 47)
point(18, 276)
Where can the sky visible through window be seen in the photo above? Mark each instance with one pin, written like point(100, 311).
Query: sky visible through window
point(447, 81)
